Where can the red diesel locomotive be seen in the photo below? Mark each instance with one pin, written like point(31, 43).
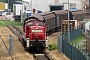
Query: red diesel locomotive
point(35, 33)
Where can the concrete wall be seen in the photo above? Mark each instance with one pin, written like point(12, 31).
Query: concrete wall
point(77, 2)
point(27, 5)
point(87, 1)
point(56, 1)
point(42, 5)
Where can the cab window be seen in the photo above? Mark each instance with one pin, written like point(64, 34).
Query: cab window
point(30, 23)
point(40, 23)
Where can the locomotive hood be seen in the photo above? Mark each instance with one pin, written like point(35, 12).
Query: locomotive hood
point(38, 16)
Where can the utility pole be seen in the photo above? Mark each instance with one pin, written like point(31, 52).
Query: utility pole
point(8, 4)
point(31, 5)
point(68, 24)
point(22, 12)
point(85, 6)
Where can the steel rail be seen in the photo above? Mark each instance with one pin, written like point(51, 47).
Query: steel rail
point(11, 30)
point(16, 31)
point(43, 56)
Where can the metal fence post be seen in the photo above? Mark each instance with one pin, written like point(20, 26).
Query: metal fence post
point(11, 45)
point(59, 43)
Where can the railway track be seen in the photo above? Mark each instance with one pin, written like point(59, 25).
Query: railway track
point(42, 56)
point(17, 32)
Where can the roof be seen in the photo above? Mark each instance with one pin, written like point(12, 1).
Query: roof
point(57, 4)
point(47, 15)
point(60, 12)
point(75, 12)
point(37, 16)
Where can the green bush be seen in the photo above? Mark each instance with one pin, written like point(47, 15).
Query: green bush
point(53, 46)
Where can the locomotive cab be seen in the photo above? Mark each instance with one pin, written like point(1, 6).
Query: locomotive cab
point(35, 31)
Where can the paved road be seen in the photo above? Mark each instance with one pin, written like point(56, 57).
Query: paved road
point(7, 17)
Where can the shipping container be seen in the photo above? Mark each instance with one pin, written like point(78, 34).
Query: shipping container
point(17, 11)
point(17, 8)
point(2, 6)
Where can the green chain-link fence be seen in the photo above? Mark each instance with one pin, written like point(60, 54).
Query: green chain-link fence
point(73, 34)
point(70, 51)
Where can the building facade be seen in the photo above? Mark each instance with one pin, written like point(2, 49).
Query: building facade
point(73, 4)
point(49, 5)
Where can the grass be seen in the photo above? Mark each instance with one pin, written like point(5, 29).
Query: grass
point(9, 23)
point(78, 39)
point(54, 46)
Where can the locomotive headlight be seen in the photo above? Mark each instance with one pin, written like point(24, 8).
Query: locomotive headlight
point(37, 30)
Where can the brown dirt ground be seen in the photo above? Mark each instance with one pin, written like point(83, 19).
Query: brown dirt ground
point(19, 51)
